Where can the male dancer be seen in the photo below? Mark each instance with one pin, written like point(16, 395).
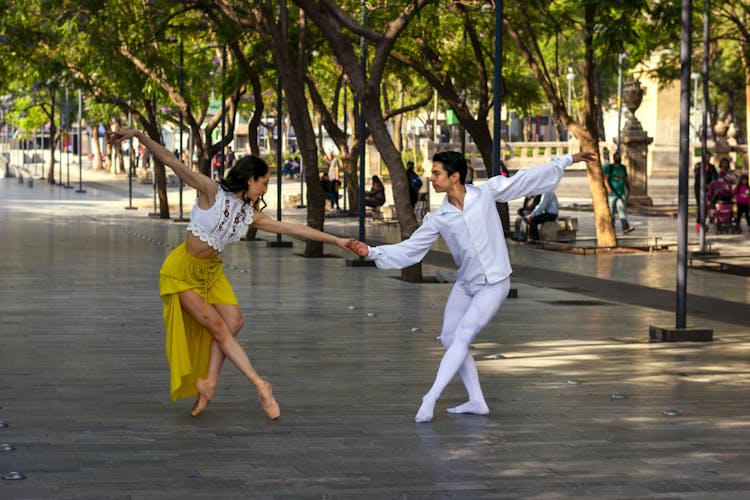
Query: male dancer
point(469, 223)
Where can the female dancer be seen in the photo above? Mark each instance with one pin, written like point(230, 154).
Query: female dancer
point(200, 309)
point(468, 222)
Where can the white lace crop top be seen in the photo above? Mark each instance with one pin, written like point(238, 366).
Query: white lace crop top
point(224, 223)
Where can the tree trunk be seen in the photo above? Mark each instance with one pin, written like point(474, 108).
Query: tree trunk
point(587, 133)
point(351, 179)
point(52, 140)
point(399, 181)
point(746, 64)
point(605, 232)
point(398, 120)
point(119, 166)
point(291, 70)
point(160, 173)
point(367, 90)
point(53, 134)
point(97, 149)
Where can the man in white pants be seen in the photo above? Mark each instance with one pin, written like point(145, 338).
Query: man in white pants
point(469, 223)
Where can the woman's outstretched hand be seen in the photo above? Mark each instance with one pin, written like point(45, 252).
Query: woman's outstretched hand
point(584, 156)
point(119, 136)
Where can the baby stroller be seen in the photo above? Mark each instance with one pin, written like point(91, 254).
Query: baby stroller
point(721, 209)
point(722, 215)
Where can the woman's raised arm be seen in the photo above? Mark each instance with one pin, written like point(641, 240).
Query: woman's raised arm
point(194, 179)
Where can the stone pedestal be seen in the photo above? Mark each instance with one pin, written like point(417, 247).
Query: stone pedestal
point(662, 334)
point(634, 147)
point(634, 153)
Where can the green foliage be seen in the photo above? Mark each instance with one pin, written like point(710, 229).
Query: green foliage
point(93, 45)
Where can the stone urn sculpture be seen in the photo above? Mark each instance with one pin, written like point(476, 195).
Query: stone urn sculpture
point(632, 95)
point(721, 145)
point(634, 147)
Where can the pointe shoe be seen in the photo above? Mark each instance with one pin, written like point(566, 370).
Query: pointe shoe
point(206, 388)
point(270, 406)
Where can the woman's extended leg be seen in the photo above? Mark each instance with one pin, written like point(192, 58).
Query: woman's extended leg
point(206, 387)
point(482, 308)
point(208, 317)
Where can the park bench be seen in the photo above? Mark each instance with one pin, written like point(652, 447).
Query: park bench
point(562, 229)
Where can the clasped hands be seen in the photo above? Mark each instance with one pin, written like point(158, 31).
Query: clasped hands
point(355, 246)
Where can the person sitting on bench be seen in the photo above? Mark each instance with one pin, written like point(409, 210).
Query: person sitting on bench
point(546, 210)
point(375, 197)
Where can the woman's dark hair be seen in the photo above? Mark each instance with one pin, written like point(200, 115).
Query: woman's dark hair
point(376, 180)
point(248, 167)
point(453, 162)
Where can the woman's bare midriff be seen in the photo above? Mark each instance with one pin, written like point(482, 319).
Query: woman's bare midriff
point(199, 248)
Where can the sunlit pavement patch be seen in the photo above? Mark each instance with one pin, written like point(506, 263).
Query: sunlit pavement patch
point(495, 356)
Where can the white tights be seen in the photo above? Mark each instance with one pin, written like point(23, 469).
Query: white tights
point(465, 316)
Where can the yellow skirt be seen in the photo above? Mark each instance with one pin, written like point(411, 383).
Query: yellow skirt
point(188, 344)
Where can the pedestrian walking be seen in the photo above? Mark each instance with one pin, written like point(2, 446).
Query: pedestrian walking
point(618, 190)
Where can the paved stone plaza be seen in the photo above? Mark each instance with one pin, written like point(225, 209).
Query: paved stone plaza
point(578, 395)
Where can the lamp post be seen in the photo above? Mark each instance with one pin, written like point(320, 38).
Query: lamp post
point(695, 76)
point(704, 125)
point(301, 166)
point(681, 332)
point(619, 96)
point(130, 166)
point(360, 261)
point(362, 123)
point(67, 146)
point(181, 217)
point(497, 95)
point(570, 76)
point(278, 243)
point(223, 97)
point(346, 138)
point(80, 144)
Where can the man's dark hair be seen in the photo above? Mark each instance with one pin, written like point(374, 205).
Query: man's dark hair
point(452, 161)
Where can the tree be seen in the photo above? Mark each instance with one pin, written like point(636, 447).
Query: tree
point(144, 65)
point(326, 76)
point(604, 26)
point(287, 42)
point(339, 30)
point(31, 53)
point(440, 48)
point(733, 37)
